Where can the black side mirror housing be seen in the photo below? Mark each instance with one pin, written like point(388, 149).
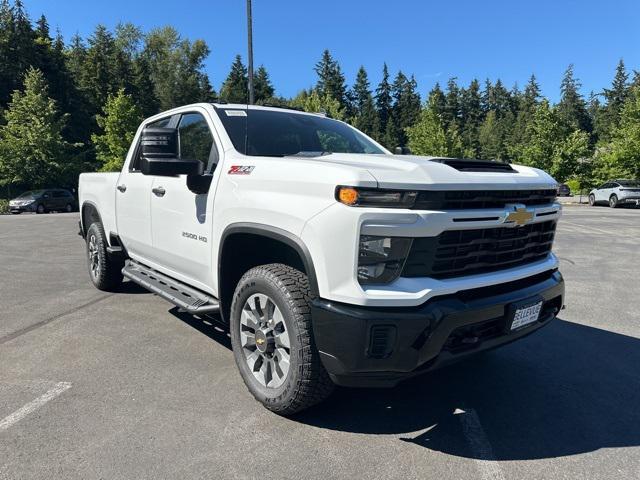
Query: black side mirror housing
point(402, 151)
point(159, 154)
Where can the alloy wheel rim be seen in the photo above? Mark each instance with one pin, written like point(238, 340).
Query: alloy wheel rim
point(265, 341)
point(94, 258)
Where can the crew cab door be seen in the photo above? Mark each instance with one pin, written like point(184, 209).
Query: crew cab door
point(181, 221)
point(133, 203)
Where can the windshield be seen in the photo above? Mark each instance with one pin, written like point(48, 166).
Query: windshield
point(271, 133)
point(630, 183)
point(31, 194)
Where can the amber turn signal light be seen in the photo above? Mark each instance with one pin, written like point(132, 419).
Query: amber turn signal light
point(348, 195)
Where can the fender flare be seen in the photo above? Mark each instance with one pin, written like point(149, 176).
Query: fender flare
point(274, 233)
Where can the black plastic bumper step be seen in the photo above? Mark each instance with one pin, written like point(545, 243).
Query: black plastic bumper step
point(172, 290)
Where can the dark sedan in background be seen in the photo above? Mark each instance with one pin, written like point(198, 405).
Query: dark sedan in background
point(42, 201)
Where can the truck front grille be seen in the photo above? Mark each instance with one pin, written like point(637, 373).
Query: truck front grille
point(457, 253)
point(470, 199)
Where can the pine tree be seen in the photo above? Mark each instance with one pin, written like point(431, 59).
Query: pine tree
point(262, 86)
point(118, 123)
point(98, 78)
point(235, 87)
point(471, 110)
point(384, 99)
point(331, 80)
point(365, 114)
point(406, 105)
point(452, 112)
point(32, 150)
point(572, 109)
point(615, 99)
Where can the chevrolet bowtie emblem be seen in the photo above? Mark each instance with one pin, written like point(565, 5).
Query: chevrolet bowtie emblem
point(520, 216)
point(259, 341)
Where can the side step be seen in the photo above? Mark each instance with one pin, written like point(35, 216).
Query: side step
point(172, 290)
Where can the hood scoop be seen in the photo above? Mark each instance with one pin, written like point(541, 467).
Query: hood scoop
point(465, 165)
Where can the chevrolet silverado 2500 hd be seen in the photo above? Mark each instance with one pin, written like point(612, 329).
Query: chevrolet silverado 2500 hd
point(331, 260)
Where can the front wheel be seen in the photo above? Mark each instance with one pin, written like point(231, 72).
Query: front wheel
point(105, 271)
point(613, 201)
point(272, 339)
point(40, 209)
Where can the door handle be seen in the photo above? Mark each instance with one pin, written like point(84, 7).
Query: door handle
point(159, 191)
point(122, 188)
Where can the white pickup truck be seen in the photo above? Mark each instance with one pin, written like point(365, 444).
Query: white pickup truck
point(331, 260)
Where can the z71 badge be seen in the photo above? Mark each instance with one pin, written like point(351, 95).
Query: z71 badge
point(241, 170)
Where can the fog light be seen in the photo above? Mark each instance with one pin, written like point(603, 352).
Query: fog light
point(380, 259)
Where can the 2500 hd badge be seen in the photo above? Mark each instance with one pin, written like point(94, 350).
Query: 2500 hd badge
point(193, 236)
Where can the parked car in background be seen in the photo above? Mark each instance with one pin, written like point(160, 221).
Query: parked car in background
point(42, 201)
point(564, 190)
point(616, 192)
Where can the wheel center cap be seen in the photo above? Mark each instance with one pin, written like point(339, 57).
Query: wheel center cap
point(261, 341)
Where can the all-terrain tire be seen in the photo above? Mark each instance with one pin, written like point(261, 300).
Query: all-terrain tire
point(104, 270)
point(307, 382)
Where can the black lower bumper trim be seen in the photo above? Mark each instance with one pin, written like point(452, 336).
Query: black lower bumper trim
point(371, 346)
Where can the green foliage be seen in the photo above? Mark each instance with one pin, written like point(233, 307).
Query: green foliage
point(4, 206)
point(31, 145)
point(331, 82)
point(427, 136)
point(621, 158)
point(313, 101)
point(235, 89)
point(118, 124)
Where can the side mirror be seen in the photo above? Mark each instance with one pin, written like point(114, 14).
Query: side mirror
point(159, 152)
point(402, 151)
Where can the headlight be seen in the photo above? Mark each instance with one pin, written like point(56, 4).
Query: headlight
point(375, 197)
point(380, 259)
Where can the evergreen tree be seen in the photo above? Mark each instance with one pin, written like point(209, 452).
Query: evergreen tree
point(262, 86)
point(491, 138)
point(615, 99)
point(384, 99)
point(31, 144)
point(365, 114)
point(452, 103)
point(235, 87)
point(406, 105)
point(471, 110)
point(118, 123)
point(572, 109)
point(97, 77)
point(331, 80)
point(437, 100)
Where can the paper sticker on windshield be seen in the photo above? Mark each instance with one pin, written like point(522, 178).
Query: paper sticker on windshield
point(240, 169)
point(235, 113)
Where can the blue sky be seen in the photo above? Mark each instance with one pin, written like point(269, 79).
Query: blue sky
point(432, 40)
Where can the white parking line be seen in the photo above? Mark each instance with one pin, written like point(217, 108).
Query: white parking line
point(32, 406)
point(479, 445)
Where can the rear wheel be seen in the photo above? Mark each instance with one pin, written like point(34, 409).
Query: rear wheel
point(592, 200)
point(272, 339)
point(40, 209)
point(69, 208)
point(613, 201)
point(104, 270)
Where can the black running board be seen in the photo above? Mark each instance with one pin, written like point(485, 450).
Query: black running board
point(183, 296)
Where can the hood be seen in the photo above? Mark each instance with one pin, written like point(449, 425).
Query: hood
point(422, 173)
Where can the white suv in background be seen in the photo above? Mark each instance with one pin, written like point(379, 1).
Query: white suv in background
point(616, 192)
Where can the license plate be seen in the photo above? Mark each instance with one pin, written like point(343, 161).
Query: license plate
point(525, 315)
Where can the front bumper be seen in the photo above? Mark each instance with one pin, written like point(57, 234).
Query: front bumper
point(379, 347)
point(22, 208)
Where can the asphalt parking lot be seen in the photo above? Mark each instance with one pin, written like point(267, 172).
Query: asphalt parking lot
point(122, 386)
